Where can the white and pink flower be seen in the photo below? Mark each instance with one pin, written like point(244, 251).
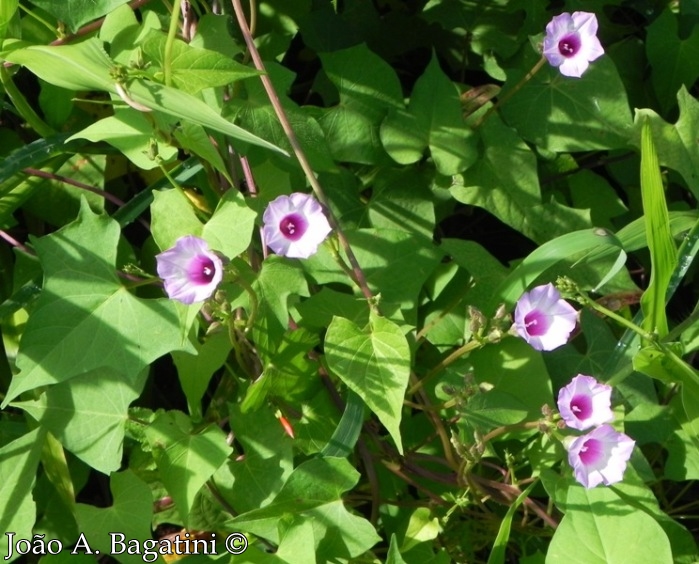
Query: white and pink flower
point(600, 457)
point(295, 225)
point(190, 270)
point(543, 319)
point(571, 42)
point(585, 403)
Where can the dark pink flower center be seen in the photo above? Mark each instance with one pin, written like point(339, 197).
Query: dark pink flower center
point(202, 270)
point(591, 452)
point(293, 226)
point(581, 406)
point(569, 45)
point(536, 323)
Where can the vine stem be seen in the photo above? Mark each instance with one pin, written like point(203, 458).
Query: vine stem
point(170, 42)
point(15, 243)
point(453, 357)
point(357, 271)
point(515, 89)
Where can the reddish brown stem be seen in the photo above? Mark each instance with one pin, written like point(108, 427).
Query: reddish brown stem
point(77, 184)
point(359, 276)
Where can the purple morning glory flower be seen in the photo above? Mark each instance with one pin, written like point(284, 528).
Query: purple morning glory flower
point(543, 319)
point(295, 225)
point(600, 456)
point(585, 403)
point(190, 270)
point(571, 42)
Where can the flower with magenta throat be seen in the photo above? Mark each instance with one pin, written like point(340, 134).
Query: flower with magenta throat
point(543, 319)
point(190, 270)
point(585, 403)
point(571, 42)
point(295, 225)
point(600, 456)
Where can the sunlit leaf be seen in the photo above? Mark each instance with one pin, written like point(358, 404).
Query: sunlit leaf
point(186, 458)
point(83, 302)
point(374, 362)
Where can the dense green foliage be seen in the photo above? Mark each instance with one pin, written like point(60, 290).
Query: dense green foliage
point(370, 403)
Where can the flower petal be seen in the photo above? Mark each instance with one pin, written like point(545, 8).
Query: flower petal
point(190, 270)
point(295, 225)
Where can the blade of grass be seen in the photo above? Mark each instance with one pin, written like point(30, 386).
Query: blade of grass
point(497, 555)
point(663, 254)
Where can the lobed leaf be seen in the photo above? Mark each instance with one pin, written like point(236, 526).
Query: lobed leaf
point(374, 362)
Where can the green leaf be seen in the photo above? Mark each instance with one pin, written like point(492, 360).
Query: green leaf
point(278, 280)
point(565, 114)
point(348, 430)
point(594, 522)
point(548, 254)
point(186, 458)
point(312, 484)
point(130, 132)
point(663, 254)
point(193, 138)
point(423, 526)
point(7, 11)
point(634, 491)
point(504, 181)
point(18, 464)
point(82, 66)
point(675, 144)
point(396, 263)
point(314, 489)
point(394, 555)
point(173, 217)
point(230, 228)
point(194, 69)
point(497, 555)
point(507, 368)
point(368, 88)
point(289, 374)
point(195, 371)
point(83, 302)
point(487, 26)
point(129, 515)
point(319, 309)
point(674, 61)
point(433, 119)
point(402, 200)
point(89, 419)
point(34, 154)
point(487, 410)
point(86, 66)
point(319, 422)
point(78, 12)
point(297, 542)
point(602, 201)
point(252, 482)
point(255, 113)
point(374, 362)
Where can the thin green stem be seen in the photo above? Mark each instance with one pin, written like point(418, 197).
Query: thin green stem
point(453, 357)
point(167, 175)
point(616, 317)
point(51, 28)
point(510, 93)
point(254, 303)
point(22, 106)
point(170, 42)
point(509, 429)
